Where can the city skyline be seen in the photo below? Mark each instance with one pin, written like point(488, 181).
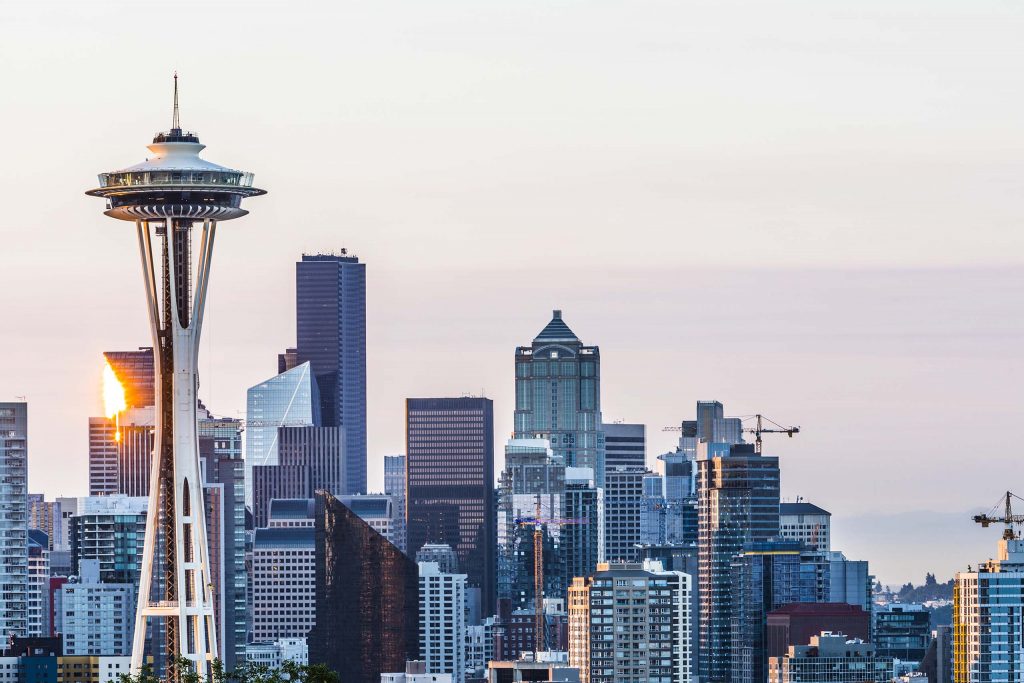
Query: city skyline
point(875, 320)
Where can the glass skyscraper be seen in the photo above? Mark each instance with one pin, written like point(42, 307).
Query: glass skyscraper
point(450, 476)
point(558, 396)
point(330, 294)
point(290, 399)
point(14, 519)
point(738, 503)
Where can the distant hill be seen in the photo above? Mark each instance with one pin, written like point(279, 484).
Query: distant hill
point(931, 590)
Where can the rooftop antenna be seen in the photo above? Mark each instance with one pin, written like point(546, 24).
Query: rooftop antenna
point(175, 125)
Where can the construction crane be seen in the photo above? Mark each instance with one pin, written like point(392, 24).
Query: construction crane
point(538, 522)
point(1008, 518)
point(758, 429)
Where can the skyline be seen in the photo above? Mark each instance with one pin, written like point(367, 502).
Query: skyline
point(900, 216)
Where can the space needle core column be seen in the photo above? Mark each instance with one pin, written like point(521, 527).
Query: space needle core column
point(166, 196)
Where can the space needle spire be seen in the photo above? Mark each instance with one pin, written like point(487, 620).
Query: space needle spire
point(173, 198)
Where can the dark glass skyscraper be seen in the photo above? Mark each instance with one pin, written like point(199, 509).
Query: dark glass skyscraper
point(367, 598)
point(558, 396)
point(738, 503)
point(450, 475)
point(330, 305)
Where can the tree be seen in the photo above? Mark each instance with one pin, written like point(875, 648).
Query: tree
point(929, 579)
point(290, 672)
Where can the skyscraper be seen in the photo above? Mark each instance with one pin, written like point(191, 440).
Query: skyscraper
point(135, 372)
point(38, 583)
point(111, 530)
point(394, 486)
point(290, 399)
point(623, 493)
point(625, 445)
point(738, 492)
point(330, 297)
point(558, 396)
point(806, 523)
point(367, 598)
point(283, 576)
point(443, 621)
point(450, 476)
point(14, 519)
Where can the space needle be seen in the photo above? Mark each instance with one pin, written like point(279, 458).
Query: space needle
point(170, 197)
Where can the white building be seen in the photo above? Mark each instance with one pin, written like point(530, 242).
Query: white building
point(807, 523)
point(283, 582)
point(415, 672)
point(988, 642)
point(443, 621)
point(276, 653)
point(631, 622)
point(479, 647)
point(97, 618)
point(38, 583)
point(9, 668)
point(375, 509)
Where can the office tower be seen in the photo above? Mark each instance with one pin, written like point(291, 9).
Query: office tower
point(283, 577)
point(309, 459)
point(987, 608)
point(582, 542)
point(120, 453)
point(367, 598)
point(44, 516)
point(374, 509)
point(765, 576)
point(14, 519)
point(532, 477)
point(450, 475)
point(38, 583)
point(652, 510)
point(443, 621)
point(625, 445)
point(440, 554)
point(623, 493)
point(630, 622)
point(290, 399)
point(903, 632)
point(850, 581)
point(330, 304)
point(738, 492)
point(831, 657)
point(797, 623)
point(111, 530)
point(806, 523)
point(96, 617)
point(136, 373)
point(220, 449)
point(394, 486)
point(165, 196)
point(558, 396)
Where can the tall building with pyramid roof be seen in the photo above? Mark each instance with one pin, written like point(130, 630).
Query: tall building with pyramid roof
point(558, 396)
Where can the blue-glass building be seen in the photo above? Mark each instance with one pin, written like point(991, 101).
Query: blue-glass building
point(290, 399)
point(330, 298)
point(558, 396)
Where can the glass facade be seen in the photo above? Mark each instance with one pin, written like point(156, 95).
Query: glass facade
point(330, 294)
point(367, 598)
point(14, 518)
point(558, 396)
point(290, 399)
point(450, 479)
point(738, 503)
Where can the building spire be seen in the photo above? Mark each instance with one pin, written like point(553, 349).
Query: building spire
point(175, 125)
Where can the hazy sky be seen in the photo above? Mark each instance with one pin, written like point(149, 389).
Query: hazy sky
point(806, 209)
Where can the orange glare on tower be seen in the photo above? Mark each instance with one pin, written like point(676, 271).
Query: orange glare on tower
point(113, 399)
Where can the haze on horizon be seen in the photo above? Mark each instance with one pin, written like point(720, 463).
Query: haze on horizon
point(809, 210)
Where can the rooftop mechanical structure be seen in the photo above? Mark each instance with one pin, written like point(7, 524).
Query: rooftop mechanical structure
point(169, 197)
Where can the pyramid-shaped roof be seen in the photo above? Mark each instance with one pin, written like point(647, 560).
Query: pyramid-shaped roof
point(556, 331)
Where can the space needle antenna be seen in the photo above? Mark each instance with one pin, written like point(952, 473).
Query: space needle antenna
point(175, 123)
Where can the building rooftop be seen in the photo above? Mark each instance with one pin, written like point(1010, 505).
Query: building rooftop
point(556, 330)
point(370, 505)
point(292, 508)
point(802, 509)
point(285, 537)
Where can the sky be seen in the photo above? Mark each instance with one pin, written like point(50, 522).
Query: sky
point(806, 209)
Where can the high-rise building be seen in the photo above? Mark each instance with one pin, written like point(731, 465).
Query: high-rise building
point(283, 578)
point(136, 374)
point(625, 445)
point(443, 621)
point(765, 576)
point(14, 519)
point(309, 459)
point(903, 631)
point(290, 399)
point(220, 448)
point(738, 492)
point(44, 516)
point(330, 304)
point(623, 500)
point(558, 396)
point(367, 598)
point(394, 486)
point(806, 523)
point(38, 583)
point(375, 509)
point(582, 542)
point(850, 581)
point(630, 622)
point(832, 657)
point(111, 530)
point(440, 554)
point(96, 617)
point(450, 475)
point(164, 197)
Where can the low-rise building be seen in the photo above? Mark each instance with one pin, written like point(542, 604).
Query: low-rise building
point(831, 658)
point(415, 672)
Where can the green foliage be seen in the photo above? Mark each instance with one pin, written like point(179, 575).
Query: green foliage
point(290, 672)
